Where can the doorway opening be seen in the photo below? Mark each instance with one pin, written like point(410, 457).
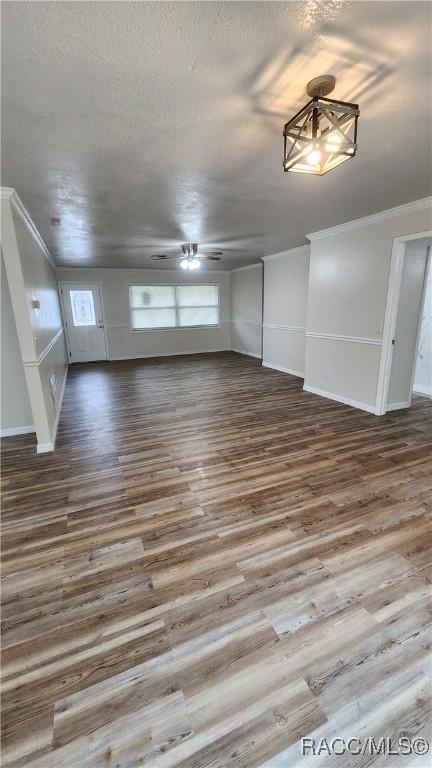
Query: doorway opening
point(423, 368)
point(407, 342)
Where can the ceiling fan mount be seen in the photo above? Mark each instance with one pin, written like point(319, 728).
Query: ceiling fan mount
point(190, 249)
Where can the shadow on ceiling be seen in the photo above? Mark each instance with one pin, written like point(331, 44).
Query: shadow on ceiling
point(278, 86)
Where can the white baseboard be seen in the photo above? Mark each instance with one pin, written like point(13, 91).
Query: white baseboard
point(283, 370)
point(423, 391)
point(11, 431)
point(44, 447)
point(397, 406)
point(243, 352)
point(168, 354)
point(340, 399)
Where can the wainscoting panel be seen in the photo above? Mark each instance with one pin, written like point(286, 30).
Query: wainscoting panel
point(284, 348)
point(246, 337)
point(343, 369)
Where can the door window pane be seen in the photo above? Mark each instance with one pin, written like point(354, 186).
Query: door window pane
point(82, 306)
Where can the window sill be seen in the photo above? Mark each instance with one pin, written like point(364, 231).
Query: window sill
point(176, 328)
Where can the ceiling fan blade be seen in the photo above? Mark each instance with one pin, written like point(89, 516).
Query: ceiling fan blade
point(213, 253)
point(163, 257)
point(209, 257)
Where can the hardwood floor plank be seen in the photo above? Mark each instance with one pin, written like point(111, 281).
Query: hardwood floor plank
point(211, 565)
point(136, 739)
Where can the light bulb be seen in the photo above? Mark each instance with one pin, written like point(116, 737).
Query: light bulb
point(190, 263)
point(314, 157)
point(333, 143)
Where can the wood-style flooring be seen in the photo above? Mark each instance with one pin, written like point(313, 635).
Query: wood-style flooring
point(211, 565)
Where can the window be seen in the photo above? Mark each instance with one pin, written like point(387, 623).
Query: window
point(152, 306)
point(173, 306)
point(82, 308)
point(197, 305)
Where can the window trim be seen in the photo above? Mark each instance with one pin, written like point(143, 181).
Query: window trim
point(175, 327)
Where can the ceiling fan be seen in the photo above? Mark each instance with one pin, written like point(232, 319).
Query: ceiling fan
point(190, 258)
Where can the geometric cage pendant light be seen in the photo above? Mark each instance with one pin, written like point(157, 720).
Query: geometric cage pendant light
point(323, 134)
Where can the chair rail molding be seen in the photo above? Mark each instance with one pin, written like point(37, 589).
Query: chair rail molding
point(338, 337)
point(278, 327)
point(245, 322)
point(37, 361)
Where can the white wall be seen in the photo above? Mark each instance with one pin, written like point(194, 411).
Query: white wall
point(423, 371)
point(246, 310)
point(286, 277)
point(32, 277)
point(16, 415)
point(40, 284)
point(124, 343)
point(349, 273)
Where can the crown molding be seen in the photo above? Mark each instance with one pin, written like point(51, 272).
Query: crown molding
point(89, 268)
point(290, 252)
point(248, 266)
point(415, 205)
point(8, 193)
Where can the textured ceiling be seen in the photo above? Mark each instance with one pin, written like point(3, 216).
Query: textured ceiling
point(146, 125)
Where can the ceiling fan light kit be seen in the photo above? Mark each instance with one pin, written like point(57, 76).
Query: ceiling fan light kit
point(190, 263)
point(323, 134)
point(190, 258)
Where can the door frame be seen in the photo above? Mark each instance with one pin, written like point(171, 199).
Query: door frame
point(390, 318)
point(65, 283)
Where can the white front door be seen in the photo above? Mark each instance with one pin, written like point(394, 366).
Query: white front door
point(84, 321)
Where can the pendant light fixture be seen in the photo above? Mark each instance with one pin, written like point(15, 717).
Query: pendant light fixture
point(323, 134)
